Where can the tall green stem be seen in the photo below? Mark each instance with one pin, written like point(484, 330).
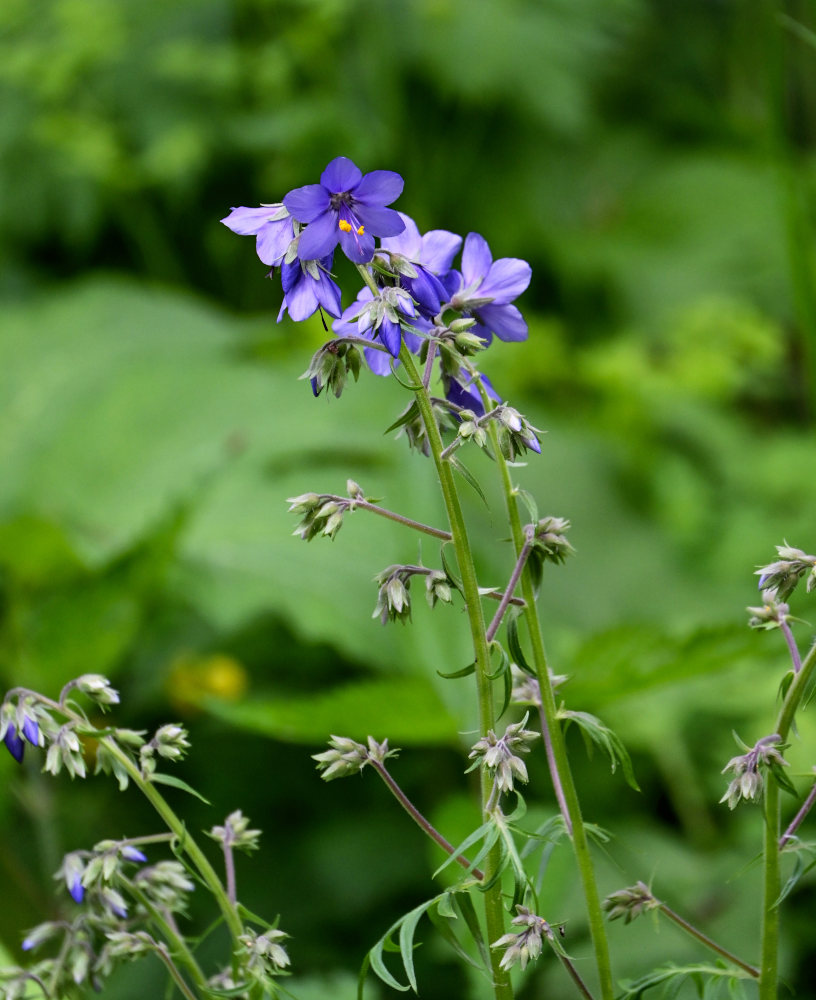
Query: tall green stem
point(772, 885)
point(554, 740)
point(494, 910)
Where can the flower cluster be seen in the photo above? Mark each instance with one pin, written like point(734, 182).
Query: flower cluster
point(410, 285)
point(236, 833)
point(630, 902)
point(393, 599)
point(524, 946)
point(782, 576)
point(748, 781)
point(499, 754)
point(346, 756)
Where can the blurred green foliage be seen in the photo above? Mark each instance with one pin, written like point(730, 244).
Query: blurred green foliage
point(654, 161)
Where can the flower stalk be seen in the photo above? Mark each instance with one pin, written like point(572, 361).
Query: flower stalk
point(560, 772)
point(494, 909)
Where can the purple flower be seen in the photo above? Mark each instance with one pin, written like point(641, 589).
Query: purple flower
point(272, 224)
point(380, 320)
point(430, 255)
point(346, 207)
point(14, 743)
point(486, 288)
point(467, 396)
point(14, 740)
point(307, 286)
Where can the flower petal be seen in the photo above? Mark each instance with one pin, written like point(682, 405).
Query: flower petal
point(378, 361)
point(408, 242)
point(301, 300)
point(379, 187)
point(328, 294)
point(379, 221)
point(358, 247)
point(506, 279)
point(273, 241)
point(341, 175)
point(249, 221)
point(439, 247)
point(504, 320)
point(320, 237)
point(476, 257)
point(307, 203)
point(391, 335)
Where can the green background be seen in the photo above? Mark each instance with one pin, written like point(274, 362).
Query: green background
point(654, 161)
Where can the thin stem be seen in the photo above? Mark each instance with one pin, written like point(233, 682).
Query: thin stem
point(769, 962)
point(553, 768)
point(421, 821)
point(792, 647)
point(583, 989)
point(170, 935)
point(494, 909)
point(796, 822)
point(769, 965)
point(392, 516)
point(229, 869)
point(493, 627)
point(557, 758)
point(161, 951)
point(186, 841)
point(706, 940)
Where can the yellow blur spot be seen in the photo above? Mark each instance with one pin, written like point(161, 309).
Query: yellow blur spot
point(193, 679)
point(347, 227)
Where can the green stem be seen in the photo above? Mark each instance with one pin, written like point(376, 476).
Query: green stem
point(494, 910)
point(187, 843)
point(556, 748)
point(772, 885)
point(769, 961)
point(177, 945)
point(421, 821)
point(706, 940)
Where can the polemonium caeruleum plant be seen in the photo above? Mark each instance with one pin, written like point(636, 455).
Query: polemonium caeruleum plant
point(425, 324)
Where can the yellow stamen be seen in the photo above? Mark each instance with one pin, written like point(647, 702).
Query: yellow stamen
point(347, 227)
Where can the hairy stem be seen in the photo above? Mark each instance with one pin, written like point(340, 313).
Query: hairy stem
point(421, 821)
point(493, 627)
point(796, 822)
point(407, 522)
point(494, 910)
point(706, 940)
point(558, 761)
point(769, 965)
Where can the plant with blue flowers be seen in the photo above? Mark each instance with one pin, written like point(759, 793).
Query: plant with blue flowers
point(416, 318)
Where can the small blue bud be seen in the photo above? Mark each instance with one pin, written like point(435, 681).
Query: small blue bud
point(76, 889)
point(31, 731)
point(14, 743)
point(28, 944)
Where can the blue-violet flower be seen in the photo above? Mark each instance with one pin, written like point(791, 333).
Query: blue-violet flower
point(427, 256)
point(346, 207)
point(272, 224)
point(486, 288)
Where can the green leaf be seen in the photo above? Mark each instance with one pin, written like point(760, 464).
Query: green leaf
point(469, 478)
point(594, 731)
point(515, 645)
point(168, 779)
point(407, 927)
point(405, 709)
